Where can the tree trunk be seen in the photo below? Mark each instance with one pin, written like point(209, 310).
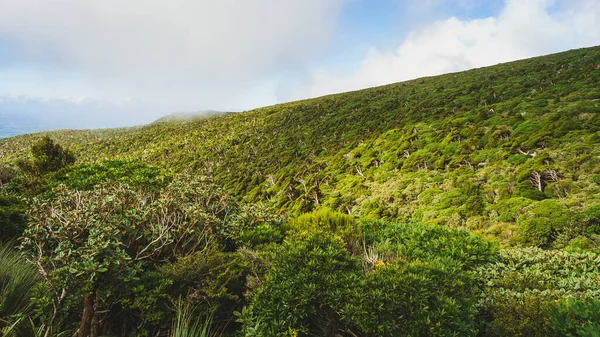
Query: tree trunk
point(95, 324)
point(87, 315)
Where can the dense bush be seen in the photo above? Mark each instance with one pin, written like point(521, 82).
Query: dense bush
point(434, 298)
point(128, 172)
point(522, 284)
point(211, 281)
point(12, 218)
point(544, 220)
point(305, 290)
point(419, 282)
point(572, 318)
point(101, 246)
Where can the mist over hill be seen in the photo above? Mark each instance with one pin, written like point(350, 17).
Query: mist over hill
point(22, 114)
point(186, 116)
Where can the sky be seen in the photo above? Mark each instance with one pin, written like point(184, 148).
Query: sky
point(148, 58)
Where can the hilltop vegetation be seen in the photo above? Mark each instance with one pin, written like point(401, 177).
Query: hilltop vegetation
point(328, 216)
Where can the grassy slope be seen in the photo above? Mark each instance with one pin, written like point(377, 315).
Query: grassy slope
point(443, 149)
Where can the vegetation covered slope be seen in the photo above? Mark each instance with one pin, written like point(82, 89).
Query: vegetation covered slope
point(509, 150)
point(237, 226)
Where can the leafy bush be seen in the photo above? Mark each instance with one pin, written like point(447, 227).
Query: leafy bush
point(414, 280)
point(517, 316)
point(212, 281)
point(573, 317)
point(417, 298)
point(522, 284)
point(49, 156)
point(544, 220)
point(304, 292)
point(427, 242)
point(96, 244)
point(128, 172)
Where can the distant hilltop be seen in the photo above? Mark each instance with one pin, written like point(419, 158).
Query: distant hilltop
point(185, 116)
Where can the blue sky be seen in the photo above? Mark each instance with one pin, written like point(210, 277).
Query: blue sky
point(240, 54)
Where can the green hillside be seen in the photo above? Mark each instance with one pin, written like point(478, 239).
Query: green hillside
point(466, 204)
point(460, 149)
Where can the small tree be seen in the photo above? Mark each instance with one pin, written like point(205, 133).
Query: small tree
point(46, 157)
point(94, 244)
point(49, 156)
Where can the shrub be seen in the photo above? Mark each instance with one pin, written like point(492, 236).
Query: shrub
point(543, 222)
point(6, 174)
point(12, 218)
point(304, 292)
point(49, 156)
point(419, 298)
point(211, 280)
point(522, 283)
point(414, 280)
point(128, 172)
point(573, 317)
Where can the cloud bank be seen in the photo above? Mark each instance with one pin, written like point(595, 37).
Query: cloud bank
point(524, 28)
point(199, 52)
point(229, 55)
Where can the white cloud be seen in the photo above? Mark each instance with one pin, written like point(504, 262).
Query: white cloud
point(198, 52)
point(524, 28)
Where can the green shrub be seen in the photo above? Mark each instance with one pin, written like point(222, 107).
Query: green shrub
point(211, 280)
point(12, 218)
point(521, 284)
point(414, 280)
point(434, 298)
point(129, 172)
point(308, 285)
point(427, 242)
point(517, 316)
point(544, 221)
point(571, 318)
point(49, 156)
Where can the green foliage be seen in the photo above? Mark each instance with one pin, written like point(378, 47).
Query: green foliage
point(7, 173)
point(186, 325)
point(371, 153)
point(46, 157)
point(318, 288)
point(12, 218)
point(428, 242)
point(128, 172)
point(415, 299)
point(518, 316)
point(510, 152)
point(573, 317)
point(342, 225)
point(544, 220)
point(306, 288)
point(522, 284)
point(211, 280)
point(17, 278)
point(49, 156)
point(99, 242)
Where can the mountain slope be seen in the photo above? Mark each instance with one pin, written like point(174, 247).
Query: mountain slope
point(490, 149)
